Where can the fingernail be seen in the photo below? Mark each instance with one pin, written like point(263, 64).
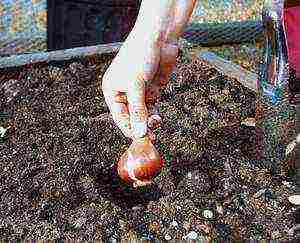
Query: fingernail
point(139, 129)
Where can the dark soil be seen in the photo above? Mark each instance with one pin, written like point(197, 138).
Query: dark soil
point(59, 149)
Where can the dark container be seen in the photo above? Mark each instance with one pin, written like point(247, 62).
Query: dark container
point(76, 23)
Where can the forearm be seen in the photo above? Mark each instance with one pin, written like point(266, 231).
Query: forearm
point(153, 20)
point(182, 12)
point(181, 16)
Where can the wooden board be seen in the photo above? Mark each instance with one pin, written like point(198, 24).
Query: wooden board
point(245, 77)
point(67, 54)
point(25, 59)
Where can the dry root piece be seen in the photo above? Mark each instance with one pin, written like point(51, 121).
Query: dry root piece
point(250, 122)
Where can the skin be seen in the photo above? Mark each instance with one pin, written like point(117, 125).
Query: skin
point(144, 64)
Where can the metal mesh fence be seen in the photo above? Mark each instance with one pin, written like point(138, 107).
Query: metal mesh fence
point(213, 34)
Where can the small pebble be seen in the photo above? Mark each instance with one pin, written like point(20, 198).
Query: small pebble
point(168, 237)
point(286, 183)
point(220, 209)
point(113, 240)
point(192, 235)
point(275, 234)
point(2, 131)
point(208, 214)
point(295, 199)
point(178, 208)
point(259, 193)
point(103, 216)
point(174, 223)
point(136, 208)
point(290, 147)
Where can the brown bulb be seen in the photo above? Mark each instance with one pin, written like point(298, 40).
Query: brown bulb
point(140, 163)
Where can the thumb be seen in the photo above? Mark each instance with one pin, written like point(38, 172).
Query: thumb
point(137, 109)
point(154, 119)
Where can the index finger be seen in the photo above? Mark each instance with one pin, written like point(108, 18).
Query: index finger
point(116, 103)
point(137, 109)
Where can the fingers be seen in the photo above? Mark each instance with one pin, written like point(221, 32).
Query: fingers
point(116, 102)
point(152, 96)
point(152, 93)
point(137, 109)
point(120, 116)
point(154, 121)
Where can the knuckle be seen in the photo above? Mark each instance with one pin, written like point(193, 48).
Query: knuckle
point(138, 113)
point(121, 123)
point(122, 116)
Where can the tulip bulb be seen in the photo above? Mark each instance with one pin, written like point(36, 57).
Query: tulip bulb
point(140, 163)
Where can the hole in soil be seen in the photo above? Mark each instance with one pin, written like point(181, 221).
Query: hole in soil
point(45, 125)
point(122, 194)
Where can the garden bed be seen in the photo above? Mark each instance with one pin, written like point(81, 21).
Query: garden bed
point(59, 148)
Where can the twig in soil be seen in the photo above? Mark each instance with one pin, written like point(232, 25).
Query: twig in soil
point(12, 125)
point(50, 161)
point(31, 171)
point(228, 168)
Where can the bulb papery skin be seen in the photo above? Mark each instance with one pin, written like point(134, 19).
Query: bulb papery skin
point(141, 162)
point(130, 166)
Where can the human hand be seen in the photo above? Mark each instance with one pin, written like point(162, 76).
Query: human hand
point(129, 95)
point(144, 63)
